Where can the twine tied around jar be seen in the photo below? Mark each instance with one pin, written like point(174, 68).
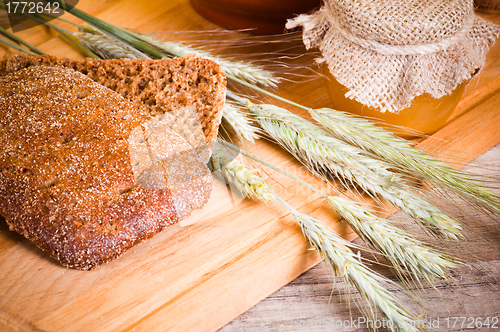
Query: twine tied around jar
point(387, 52)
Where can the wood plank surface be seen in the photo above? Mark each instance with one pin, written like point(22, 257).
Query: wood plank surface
point(201, 274)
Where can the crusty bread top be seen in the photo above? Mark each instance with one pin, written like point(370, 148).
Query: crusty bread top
point(157, 86)
point(66, 182)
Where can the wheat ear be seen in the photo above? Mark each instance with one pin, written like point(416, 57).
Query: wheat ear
point(232, 69)
point(399, 247)
point(238, 71)
point(323, 153)
point(107, 47)
point(397, 151)
point(404, 252)
point(383, 144)
point(240, 123)
point(246, 180)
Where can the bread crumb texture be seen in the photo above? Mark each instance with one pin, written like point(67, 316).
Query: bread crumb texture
point(157, 86)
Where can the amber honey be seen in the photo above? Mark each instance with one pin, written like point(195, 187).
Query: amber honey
point(425, 116)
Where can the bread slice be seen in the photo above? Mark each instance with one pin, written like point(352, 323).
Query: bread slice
point(156, 86)
point(66, 178)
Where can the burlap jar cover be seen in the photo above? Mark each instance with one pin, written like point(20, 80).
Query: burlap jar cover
point(387, 52)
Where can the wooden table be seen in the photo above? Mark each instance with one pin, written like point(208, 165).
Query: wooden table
point(207, 271)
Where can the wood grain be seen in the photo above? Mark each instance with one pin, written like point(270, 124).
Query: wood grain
point(203, 273)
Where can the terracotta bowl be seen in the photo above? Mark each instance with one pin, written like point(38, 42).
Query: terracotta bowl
point(262, 16)
point(488, 5)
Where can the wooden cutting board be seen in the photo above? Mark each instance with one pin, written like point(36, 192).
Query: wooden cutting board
point(199, 275)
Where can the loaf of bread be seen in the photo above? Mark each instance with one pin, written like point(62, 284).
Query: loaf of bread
point(157, 86)
point(67, 182)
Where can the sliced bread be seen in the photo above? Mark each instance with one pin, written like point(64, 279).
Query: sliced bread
point(67, 182)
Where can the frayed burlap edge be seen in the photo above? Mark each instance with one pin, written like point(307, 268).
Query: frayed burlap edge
point(391, 82)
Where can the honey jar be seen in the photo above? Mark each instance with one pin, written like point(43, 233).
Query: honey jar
point(425, 116)
point(405, 63)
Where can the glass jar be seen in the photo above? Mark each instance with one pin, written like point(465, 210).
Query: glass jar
point(391, 54)
point(425, 116)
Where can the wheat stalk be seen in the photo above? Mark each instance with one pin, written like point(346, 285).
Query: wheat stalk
point(322, 153)
point(331, 246)
point(20, 41)
point(15, 46)
point(65, 34)
point(113, 30)
point(232, 69)
point(397, 151)
point(418, 163)
point(399, 247)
